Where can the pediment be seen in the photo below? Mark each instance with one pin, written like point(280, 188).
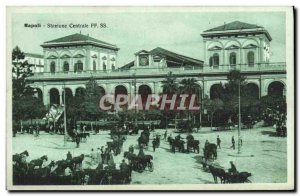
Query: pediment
point(215, 48)
point(52, 57)
point(232, 47)
point(104, 58)
point(113, 59)
point(78, 56)
point(142, 52)
point(65, 56)
point(94, 56)
point(250, 46)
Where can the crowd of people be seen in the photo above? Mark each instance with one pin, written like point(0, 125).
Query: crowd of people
point(277, 119)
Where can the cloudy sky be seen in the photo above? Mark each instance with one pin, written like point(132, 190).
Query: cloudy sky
point(133, 31)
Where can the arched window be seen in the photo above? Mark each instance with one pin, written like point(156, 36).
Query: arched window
point(215, 60)
point(94, 65)
point(232, 58)
point(104, 66)
point(66, 66)
point(113, 67)
point(52, 67)
point(78, 67)
point(250, 58)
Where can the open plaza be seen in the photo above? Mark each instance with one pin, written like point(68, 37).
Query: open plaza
point(262, 154)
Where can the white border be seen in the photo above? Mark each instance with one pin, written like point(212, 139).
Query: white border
point(290, 95)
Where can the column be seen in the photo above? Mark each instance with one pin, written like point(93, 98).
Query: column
point(108, 62)
point(48, 95)
point(45, 97)
point(60, 98)
point(263, 88)
point(204, 52)
point(87, 59)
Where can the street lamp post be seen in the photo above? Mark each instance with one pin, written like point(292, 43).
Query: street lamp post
point(65, 116)
point(239, 130)
point(135, 113)
point(200, 110)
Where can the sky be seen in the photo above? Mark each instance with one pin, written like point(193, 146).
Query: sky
point(134, 31)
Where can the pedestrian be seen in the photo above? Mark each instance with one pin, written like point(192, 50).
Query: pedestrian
point(206, 143)
point(219, 142)
point(233, 143)
point(111, 164)
point(77, 140)
point(165, 135)
point(84, 128)
point(124, 166)
point(99, 158)
point(241, 141)
point(131, 149)
point(102, 153)
point(93, 156)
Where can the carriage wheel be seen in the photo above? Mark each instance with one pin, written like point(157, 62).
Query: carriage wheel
point(151, 167)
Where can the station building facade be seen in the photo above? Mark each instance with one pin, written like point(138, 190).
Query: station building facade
point(72, 60)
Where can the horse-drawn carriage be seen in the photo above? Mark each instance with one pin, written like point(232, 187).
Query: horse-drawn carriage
point(144, 138)
point(116, 145)
point(210, 151)
point(176, 144)
point(228, 177)
point(139, 163)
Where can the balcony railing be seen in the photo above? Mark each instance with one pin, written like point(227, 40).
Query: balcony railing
point(268, 67)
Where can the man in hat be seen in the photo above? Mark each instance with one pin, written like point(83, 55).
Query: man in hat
point(123, 165)
point(69, 156)
point(232, 168)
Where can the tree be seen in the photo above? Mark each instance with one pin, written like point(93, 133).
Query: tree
point(91, 99)
point(189, 86)
point(24, 102)
point(170, 85)
point(213, 105)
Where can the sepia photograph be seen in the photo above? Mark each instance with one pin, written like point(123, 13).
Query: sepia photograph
point(150, 98)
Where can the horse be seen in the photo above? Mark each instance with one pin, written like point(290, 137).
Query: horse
point(143, 140)
point(18, 158)
point(37, 162)
point(77, 161)
point(62, 165)
point(130, 156)
point(217, 172)
point(40, 176)
point(194, 144)
point(116, 145)
point(135, 131)
point(210, 151)
point(116, 176)
point(176, 143)
point(83, 136)
point(146, 161)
